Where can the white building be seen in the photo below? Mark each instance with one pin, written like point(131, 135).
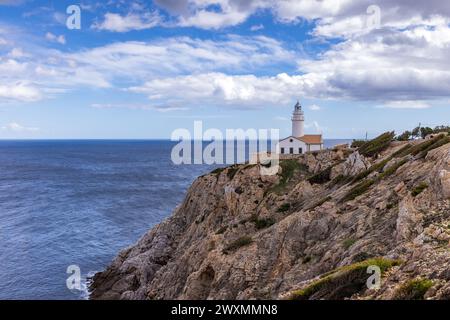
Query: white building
point(299, 142)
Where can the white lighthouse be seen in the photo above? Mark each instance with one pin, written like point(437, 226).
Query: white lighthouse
point(299, 142)
point(298, 121)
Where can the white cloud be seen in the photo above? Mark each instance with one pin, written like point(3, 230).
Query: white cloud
point(406, 105)
point(315, 126)
point(54, 38)
point(17, 128)
point(257, 27)
point(221, 89)
point(213, 20)
point(132, 21)
point(20, 91)
point(17, 53)
point(314, 107)
point(159, 108)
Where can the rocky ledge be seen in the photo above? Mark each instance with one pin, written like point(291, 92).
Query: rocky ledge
point(308, 232)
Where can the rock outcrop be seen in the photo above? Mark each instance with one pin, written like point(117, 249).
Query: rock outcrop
point(240, 235)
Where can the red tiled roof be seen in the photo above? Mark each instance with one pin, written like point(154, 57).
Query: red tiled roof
point(312, 139)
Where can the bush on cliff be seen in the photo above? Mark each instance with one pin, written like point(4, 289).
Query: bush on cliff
point(413, 290)
point(376, 146)
point(342, 282)
point(321, 177)
point(236, 244)
point(419, 189)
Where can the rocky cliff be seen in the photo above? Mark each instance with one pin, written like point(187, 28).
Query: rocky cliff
point(309, 232)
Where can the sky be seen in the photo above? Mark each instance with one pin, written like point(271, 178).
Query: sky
point(142, 69)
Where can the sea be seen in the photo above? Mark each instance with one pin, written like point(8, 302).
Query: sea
point(67, 207)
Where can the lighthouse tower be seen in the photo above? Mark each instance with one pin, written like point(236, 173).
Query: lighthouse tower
point(298, 119)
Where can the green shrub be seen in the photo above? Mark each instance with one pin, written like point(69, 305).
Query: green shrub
point(238, 243)
point(342, 282)
point(321, 202)
point(357, 190)
point(405, 136)
point(218, 171)
point(284, 207)
point(288, 168)
point(347, 243)
point(419, 189)
point(439, 143)
point(232, 172)
point(413, 290)
point(222, 230)
point(321, 177)
point(263, 223)
point(404, 151)
point(392, 169)
point(340, 179)
point(306, 259)
point(428, 145)
point(357, 143)
point(375, 167)
point(376, 146)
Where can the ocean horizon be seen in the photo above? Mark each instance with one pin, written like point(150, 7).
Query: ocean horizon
point(79, 202)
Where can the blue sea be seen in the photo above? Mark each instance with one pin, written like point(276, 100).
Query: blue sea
point(66, 203)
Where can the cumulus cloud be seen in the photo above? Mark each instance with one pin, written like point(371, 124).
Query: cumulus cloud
point(20, 91)
point(222, 89)
point(17, 128)
point(404, 60)
point(314, 107)
point(132, 21)
point(257, 27)
point(406, 105)
point(54, 38)
point(159, 108)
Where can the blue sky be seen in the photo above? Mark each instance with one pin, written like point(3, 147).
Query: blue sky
point(141, 69)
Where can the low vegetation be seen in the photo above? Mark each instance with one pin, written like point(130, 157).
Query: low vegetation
point(288, 169)
point(357, 143)
point(392, 169)
point(262, 223)
point(340, 179)
point(321, 177)
point(413, 290)
point(284, 207)
point(376, 167)
point(363, 186)
point(232, 172)
point(222, 230)
point(426, 146)
point(375, 146)
point(422, 132)
point(218, 171)
point(321, 202)
point(347, 243)
point(405, 150)
point(419, 189)
point(357, 190)
point(342, 282)
point(236, 244)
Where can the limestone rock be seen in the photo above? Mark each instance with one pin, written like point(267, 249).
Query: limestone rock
point(241, 235)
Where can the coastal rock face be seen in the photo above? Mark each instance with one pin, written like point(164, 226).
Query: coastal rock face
point(240, 235)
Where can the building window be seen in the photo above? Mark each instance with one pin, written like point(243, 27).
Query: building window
point(282, 150)
point(300, 150)
point(291, 150)
point(291, 140)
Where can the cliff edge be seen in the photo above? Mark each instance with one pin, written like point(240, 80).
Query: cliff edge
point(309, 232)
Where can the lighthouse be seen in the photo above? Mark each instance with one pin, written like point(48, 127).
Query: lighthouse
point(298, 120)
point(299, 142)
